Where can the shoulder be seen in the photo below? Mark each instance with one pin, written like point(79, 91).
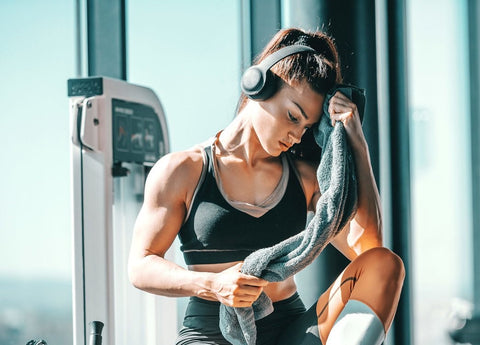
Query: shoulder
point(175, 174)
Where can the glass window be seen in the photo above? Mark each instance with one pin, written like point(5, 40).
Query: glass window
point(189, 53)
point(37, 56)
point(440, 156)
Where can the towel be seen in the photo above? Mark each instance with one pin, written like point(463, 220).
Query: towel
point(335, 207)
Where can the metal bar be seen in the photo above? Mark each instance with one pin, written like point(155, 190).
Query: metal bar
point(353, 29)
point(81, 48)
point(474, 57)
point(400, 161)
point(245, 34)
point(351, 25)
point(265, 21)
point(106, 38)
point(301, 14)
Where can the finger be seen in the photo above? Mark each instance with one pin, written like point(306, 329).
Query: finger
point(339, 107)
point(334, 109)
point(237, 303)
point(340, 94)
point(247, 290)
point(341, 101)
point(340, 98)
point(343, 117)
point(249, 299)
point(252, 280)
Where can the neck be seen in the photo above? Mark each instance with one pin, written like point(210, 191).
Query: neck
point(240, 140)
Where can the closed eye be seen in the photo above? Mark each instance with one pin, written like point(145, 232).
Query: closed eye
point(291, 117)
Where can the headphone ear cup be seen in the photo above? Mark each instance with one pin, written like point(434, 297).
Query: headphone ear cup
point(253, 80)
point(259, 85)
point(270, 86)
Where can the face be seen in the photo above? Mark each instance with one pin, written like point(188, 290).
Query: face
point(282, 119)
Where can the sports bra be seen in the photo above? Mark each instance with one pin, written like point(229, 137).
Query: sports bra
point(217, 230)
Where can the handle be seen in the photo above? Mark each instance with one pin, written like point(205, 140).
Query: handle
point(96, 328)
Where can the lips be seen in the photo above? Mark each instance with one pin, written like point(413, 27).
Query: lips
point(284, 146)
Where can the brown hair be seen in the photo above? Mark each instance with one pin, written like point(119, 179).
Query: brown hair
point(321, 70)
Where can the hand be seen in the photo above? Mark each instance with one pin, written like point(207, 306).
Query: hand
point(341, 108)
point(235, 289)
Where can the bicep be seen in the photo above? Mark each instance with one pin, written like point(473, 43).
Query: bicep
point(156, 228)
point(164, 208)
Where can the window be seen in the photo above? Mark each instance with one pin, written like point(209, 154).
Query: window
point(440, 156)
point(189, 53)
point(38, 56)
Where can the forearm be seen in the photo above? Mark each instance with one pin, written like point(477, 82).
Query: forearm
point(366, 228)
point(159, 276)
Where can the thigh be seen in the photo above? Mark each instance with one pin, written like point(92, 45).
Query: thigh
point(270, 328)
point(193, 336)
point(201, 324)
point(374, 278)
point(303, 330)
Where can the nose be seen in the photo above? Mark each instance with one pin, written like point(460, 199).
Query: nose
point(296, 136)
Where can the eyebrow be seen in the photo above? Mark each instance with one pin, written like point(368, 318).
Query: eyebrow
point(301, 110)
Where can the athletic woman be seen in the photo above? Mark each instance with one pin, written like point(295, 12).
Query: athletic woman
point(250, 187)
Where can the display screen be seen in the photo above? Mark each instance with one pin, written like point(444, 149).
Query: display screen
point(137, 133)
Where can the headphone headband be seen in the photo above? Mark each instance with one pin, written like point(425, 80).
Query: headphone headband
point(258, 82)
point(282, 53)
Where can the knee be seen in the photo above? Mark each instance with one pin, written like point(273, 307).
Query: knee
point(384, 263)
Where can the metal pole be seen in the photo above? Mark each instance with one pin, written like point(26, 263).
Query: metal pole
point(474, 56)
point(265, 21)
point(350, 23)
point(400, 161)
point(106, 38)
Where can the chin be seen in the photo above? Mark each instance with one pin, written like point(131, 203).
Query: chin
point(274, 152)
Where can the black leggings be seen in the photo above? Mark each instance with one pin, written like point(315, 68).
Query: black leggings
point(289, 324)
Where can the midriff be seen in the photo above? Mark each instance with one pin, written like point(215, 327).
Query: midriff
point(277, 291)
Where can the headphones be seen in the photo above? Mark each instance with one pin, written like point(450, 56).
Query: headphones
point(258, 82)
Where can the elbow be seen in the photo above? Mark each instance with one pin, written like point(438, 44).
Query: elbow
point(374, 227)
point(135, 275)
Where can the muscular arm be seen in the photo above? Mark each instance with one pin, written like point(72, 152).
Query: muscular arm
point(156, 227)
point(364, 231)
point(169, 185)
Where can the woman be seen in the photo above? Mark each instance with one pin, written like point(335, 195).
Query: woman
point(245, 189)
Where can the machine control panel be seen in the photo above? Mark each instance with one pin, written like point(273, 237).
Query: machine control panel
point(137, 136)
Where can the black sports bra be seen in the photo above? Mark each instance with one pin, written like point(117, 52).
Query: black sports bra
point(217, 232)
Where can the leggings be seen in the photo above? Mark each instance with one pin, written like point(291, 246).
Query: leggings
point(374, 278)
point(201, 324)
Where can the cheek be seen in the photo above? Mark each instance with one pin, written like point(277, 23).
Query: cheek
point(267, 126)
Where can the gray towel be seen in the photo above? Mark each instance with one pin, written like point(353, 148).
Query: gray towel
point(335, 207)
